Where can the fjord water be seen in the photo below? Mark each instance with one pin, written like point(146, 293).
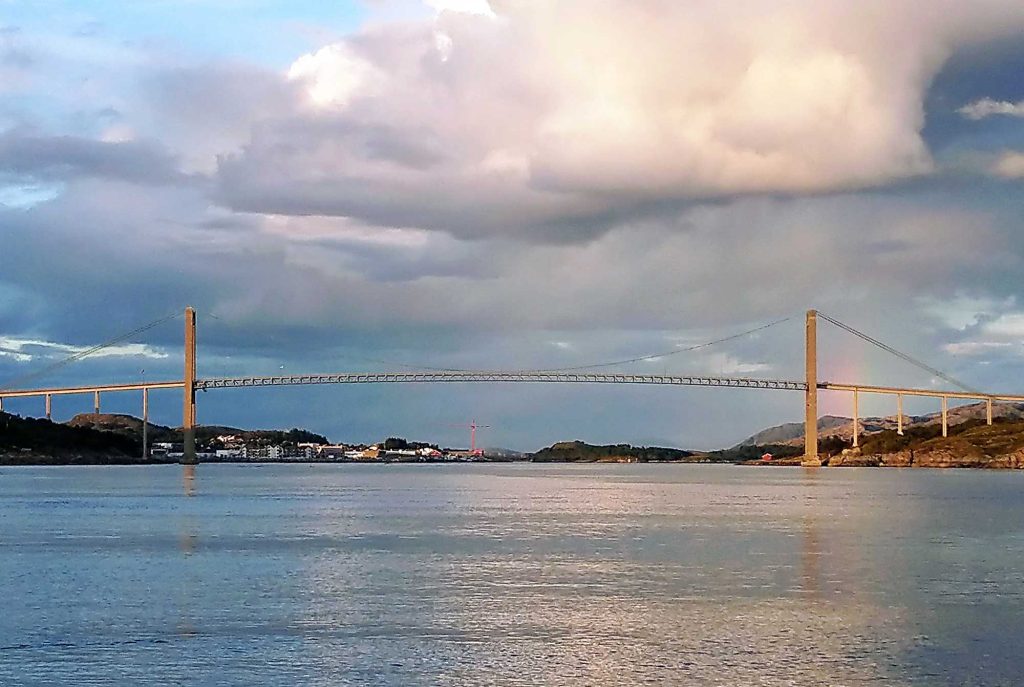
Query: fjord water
point(510, 574)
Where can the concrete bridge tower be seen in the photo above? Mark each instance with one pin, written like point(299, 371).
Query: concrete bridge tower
point(811, 458)
point(188, 419)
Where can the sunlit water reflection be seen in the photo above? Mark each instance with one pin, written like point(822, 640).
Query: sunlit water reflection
point(510, 574)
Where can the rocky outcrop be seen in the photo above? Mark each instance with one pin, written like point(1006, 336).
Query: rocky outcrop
point(896, 459)
point(853, 458)
point(972, 444)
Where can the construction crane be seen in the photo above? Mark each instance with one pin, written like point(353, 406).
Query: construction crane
point(473, 426)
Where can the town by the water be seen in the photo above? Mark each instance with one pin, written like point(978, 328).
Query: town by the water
point(235, 448)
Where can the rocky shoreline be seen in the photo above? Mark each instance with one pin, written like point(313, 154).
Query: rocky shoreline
point(928, 458)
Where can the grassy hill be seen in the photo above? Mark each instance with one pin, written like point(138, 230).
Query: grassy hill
point(41, 442)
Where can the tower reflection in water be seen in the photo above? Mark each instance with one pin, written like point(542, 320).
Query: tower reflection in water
point(811, 549)
point(187, 538)
point(189, 480)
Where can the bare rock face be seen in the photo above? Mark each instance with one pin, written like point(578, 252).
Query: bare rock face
point(854, 459)
point(1016, 459)
point(947, 458)
point(897, 459)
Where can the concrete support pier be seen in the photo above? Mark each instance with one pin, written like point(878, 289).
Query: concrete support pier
point(145, 424)
point(811, 459)
point(188, 419)
point(899, 414)
point(945, 416)
point(856, 419)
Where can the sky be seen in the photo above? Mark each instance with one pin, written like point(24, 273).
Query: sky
point(391, 184)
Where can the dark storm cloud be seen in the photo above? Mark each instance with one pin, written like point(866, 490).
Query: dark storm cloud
point(60, 158)
point(989, 70)
point(328, 304)
point(20, 59)
point(215, 96)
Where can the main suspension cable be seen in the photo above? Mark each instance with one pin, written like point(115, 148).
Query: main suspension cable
point(666, 354)
point(10, 384)
point(651, 356)
point(899, 354)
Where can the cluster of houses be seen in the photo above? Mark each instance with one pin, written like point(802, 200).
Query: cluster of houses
point(230, 448)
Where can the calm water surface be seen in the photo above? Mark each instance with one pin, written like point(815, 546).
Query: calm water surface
point(510, 575)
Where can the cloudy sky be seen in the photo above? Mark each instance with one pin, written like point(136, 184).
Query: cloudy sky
point(371, 184)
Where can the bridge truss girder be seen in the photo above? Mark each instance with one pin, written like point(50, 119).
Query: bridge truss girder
point(469, 377)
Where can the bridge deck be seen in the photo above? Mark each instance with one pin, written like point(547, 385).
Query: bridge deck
point(61, 391)
point(503, 377)
point(484, 376)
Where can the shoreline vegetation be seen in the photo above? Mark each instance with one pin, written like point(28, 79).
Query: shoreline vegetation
point(90, 439)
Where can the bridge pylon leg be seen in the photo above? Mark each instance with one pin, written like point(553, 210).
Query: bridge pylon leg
point(188, 419)
point(811, 459)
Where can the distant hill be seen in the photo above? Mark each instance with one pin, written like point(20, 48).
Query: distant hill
point(33, 441)
point(124, 425)
point(830, 426)
point(101, 439)
point(128, 425)
point(580, 452)
point(791, 431)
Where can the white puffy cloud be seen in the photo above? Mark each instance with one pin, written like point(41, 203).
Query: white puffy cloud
point(1009, 324)
point(548, 117)
point(481, 7)
point(27, 350)
point(726, 364)
point(987, 107)
point(1009, 165)
point(976, 348)
point(962, 311)
point(332, 75)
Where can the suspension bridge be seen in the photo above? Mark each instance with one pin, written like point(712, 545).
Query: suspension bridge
point(810, 385)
